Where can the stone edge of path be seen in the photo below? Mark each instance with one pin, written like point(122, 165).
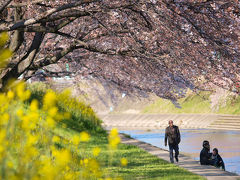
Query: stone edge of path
point(186, 162)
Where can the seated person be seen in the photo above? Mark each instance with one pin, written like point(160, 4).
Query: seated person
point(205, 155)
point(217, 160)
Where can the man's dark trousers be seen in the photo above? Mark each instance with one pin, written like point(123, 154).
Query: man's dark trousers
point(176, 149)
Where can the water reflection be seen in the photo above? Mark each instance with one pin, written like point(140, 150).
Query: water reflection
point(227, 142)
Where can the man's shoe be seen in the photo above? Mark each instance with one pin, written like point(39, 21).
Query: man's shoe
point(176, 159)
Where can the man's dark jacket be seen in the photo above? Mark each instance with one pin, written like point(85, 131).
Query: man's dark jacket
point(173, 136)
point(205, 157)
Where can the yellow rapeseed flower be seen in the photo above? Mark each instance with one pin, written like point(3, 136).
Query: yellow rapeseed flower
point(34, 117)
point(67, 168)
point(2, 135)
point(108, 178)
point(114, 141)
point(20, 89)
point(30, 153)
point(66, 93)
point(113, 138)
point(85, 161)
point(124, 162)
point(81, 162)
point(36, 177)
point(50, 122)
point(20, 113)
point(4, 119)
point(52, 112)
point(76, 140)
point(25, 122)
point(21, 93)
point(47, 170)
point(84, 136)
point(10, 164)
point(2, 99)
point(69, 176)
point(62, 157)
point(94, 166)
point(96, 151)
point(56, 139)
point(32, 140)
point(27, 95)
point(66, 115)
point(34, 105)
point(49, 100)
point(10, 94)
point(2, 148)
point(114, 132)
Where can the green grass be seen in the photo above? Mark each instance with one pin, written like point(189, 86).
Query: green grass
point(191, 104)
point(195, 104)
point(232, 106)
point(141, 165)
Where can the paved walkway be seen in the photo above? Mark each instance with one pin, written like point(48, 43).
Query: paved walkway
point(210, 172)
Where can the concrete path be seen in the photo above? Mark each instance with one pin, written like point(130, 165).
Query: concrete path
point(210, 172)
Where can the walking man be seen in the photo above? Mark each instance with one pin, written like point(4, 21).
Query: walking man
point(172, 135)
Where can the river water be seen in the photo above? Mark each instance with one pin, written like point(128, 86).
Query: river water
point(227, 142)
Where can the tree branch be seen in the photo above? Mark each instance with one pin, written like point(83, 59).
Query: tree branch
point(4, 4)
point(25, 62)
point(15, 5)
point(24, 23)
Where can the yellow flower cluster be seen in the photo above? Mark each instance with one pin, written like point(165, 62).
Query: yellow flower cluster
point(26, 140)
point(73, 105)
point(29, 145)
point(30, 148)
point(5, 53)
point(113, 139)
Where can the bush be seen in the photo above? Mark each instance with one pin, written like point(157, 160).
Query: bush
point(82, 116)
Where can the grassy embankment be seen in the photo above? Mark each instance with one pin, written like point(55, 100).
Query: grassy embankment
point(37, 143)
point(195, 104)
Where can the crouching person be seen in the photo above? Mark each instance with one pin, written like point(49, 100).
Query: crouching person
point(217, 159)
point(205, 155)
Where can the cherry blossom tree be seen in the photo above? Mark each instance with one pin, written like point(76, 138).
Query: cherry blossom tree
point(157, 46)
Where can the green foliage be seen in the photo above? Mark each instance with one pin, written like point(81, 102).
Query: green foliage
point(82, 116)
point(38, 89)
point(193, 103)
point(196, 103)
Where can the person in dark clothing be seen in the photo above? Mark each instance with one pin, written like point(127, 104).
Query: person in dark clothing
point(172, 135)
point(217, 159)
point(205, 155)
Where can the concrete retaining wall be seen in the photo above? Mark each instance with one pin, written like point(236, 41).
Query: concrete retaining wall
point(160, 121)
